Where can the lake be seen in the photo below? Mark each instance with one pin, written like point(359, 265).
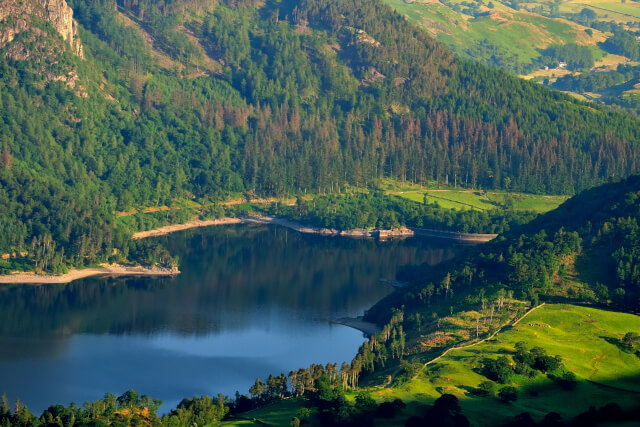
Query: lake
point(251, 301)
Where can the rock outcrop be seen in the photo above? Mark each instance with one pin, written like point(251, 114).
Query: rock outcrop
point(61, 17)
point(16, 18)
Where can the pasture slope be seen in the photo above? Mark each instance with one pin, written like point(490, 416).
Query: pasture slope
point(587, 340)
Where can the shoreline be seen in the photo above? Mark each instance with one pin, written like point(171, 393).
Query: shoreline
point(118, 270)
point(302, 228)
point(454, 235)
point(168, 229)
point(293, 225)
point(367, 328)
point(75, 274)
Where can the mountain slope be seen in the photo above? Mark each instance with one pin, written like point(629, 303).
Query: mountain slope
point(309, 96)
point(507, 35)
point(587, 48)
point(585, 251)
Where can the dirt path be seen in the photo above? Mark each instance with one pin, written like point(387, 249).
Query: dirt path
point(484, 339)
point(196, 206)
point(610, 387)
point(397, 371)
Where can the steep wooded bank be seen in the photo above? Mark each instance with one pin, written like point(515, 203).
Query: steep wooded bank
point(587, 250)
point(182, 99)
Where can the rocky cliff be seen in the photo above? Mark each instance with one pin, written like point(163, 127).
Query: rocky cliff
point(16, 17)
point(61, 17)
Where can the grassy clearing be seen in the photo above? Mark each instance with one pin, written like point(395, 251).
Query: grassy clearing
point(607, 10)
point(443, 200)
point(611, 62)
point(448, 198)
point(469, 199)
point(531, 202)
point(552, 74)
point(584, 338)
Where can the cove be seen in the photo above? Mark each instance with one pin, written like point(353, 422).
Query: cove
point(252, 300)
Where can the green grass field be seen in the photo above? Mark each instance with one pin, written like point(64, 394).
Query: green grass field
point(607, 10)
point(583, 337)
point(467, 199)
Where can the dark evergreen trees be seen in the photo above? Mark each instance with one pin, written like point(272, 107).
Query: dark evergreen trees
point(309, 97)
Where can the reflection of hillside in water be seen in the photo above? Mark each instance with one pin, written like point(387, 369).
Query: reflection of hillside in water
point(232, 277)
point(19, 348)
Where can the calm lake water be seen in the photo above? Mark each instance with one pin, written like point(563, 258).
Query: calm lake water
point(251, 301)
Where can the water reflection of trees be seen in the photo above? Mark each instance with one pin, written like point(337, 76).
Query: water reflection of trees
point(231, 276)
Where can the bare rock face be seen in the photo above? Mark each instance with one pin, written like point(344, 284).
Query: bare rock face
point(15, 18)
point(61, 17)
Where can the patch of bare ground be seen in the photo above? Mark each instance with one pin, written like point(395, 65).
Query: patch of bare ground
point(208, 63)
point(163, 60)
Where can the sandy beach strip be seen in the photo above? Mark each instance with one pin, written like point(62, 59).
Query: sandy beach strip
point(118, 270)
point(75, 274)
point(167, 229)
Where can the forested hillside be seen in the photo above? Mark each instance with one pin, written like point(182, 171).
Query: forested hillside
point(587, 250)
point(194, 99)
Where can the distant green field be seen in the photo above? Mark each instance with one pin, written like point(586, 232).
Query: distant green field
point(516, 35)
point(466, 199)
point(615, 9)
point(531, 202)
point(512, 36)
point(583, 337)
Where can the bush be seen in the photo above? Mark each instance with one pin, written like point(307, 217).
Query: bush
point(630, 340)
point(524, 369)
point(567, 380)
point(485, 389)
point(498, 370)
point(547, 363)
point(303, 414)
point(508, 394)
point(552, 419)
point(390, 409)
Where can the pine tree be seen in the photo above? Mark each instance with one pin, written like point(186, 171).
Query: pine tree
point(7, 161)
point(4, 406)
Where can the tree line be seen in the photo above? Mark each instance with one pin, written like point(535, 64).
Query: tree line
point(308, 98)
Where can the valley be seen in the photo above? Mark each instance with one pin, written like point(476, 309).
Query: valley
point(128, 127)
